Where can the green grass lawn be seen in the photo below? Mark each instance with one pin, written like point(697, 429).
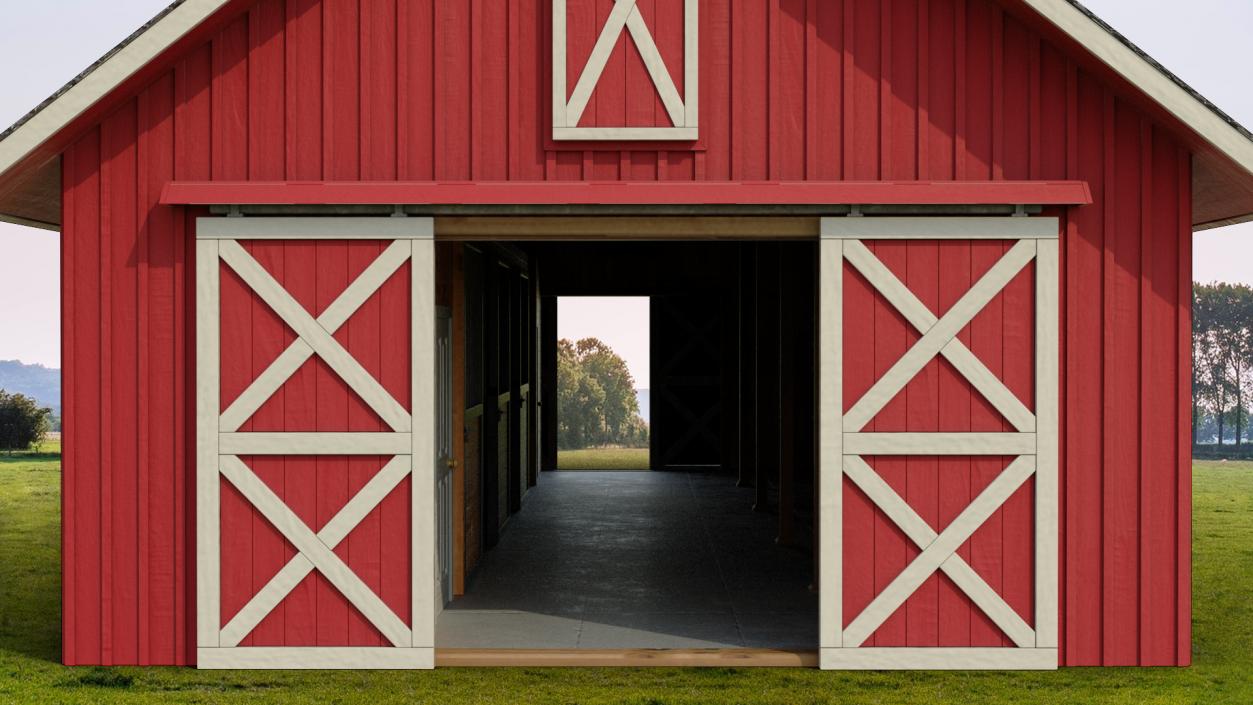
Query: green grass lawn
point(603, 459)
point(30, 643)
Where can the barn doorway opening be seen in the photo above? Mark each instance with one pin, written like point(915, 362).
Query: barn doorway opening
point(714, 547)
point(602, 383)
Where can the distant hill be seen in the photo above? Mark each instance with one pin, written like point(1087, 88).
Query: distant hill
point(41, 383)
point(641, 395)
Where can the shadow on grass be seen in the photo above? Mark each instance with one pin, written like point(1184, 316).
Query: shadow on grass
point(7, 458)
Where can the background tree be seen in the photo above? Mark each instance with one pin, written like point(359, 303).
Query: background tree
point(1222, 363)
point(1208, 385)
point(1240, 325)
point(596, 402)
point(602, 364)
point(23, 423)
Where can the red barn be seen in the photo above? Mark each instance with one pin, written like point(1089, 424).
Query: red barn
point(919, 274)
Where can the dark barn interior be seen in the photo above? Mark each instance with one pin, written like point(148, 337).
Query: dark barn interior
point(715, 546)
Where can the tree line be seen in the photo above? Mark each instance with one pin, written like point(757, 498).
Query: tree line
point(1222, 363)
point(596, 402)
point(23, 422)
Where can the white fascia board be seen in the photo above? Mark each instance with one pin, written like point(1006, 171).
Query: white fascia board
point(1149, 79)
point(104, 79)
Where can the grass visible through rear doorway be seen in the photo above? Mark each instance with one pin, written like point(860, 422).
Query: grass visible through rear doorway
point(592, 459)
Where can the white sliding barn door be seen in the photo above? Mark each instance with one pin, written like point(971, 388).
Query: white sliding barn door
point(316, 531)
point(938, 395)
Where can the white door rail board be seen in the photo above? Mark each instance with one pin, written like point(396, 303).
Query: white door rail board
point(319, 443)
point(315, 228)
point(940, 443)
point(953, 228)
point(319, 658)
point(938, 659)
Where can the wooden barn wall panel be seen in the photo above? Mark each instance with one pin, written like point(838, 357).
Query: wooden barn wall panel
point(791, 89)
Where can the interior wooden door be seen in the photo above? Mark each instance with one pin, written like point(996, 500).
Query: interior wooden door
point(445, 463)
point(938, 452)
point(316, 534)
point(686, 385)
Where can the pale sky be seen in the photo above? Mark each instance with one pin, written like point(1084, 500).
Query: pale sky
point(44, 44)
point(621, 322)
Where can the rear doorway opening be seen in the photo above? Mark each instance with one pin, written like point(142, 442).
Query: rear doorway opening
point(710, 543)
point(602, 383)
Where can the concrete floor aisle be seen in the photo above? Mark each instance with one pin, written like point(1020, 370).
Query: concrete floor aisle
point(621, 560)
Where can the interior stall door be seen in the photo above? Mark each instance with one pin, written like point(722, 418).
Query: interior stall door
point(686, 395)
point(445, 463)
point(938, 451)
point(316, 531)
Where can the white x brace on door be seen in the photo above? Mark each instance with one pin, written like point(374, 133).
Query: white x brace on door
point(219, 444)
point(844, 444)
point(682, 110)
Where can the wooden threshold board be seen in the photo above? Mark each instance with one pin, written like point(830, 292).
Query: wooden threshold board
point(627, 658)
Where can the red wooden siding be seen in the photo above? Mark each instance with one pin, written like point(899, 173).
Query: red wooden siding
point(939, 399)
point(790, 89)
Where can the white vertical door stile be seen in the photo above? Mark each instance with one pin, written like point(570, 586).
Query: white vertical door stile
point(422, 346)
point(844, 443)
point(410, 440)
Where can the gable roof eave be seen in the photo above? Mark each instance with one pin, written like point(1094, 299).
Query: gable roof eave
point(1222, 132)
point(98, 81)
point(1226, 143)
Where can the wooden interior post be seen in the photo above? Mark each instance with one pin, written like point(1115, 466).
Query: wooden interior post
point(517, 335)
point(548, 381)
point(475, 329)
point(790, 367)
point(729, 341)
point(768, 361)
point(531, 336)
point(458, 305)
point(491, 410)
point(748, 365)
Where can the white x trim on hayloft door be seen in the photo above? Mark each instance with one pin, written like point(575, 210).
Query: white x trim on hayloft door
point(682, 111)
point(844, 443)
point(220, 444)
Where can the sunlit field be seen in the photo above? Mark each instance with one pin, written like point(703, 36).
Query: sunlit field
point(30, 639)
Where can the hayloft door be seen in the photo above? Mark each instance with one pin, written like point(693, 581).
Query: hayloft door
point(315, 391)
point(938, 396)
